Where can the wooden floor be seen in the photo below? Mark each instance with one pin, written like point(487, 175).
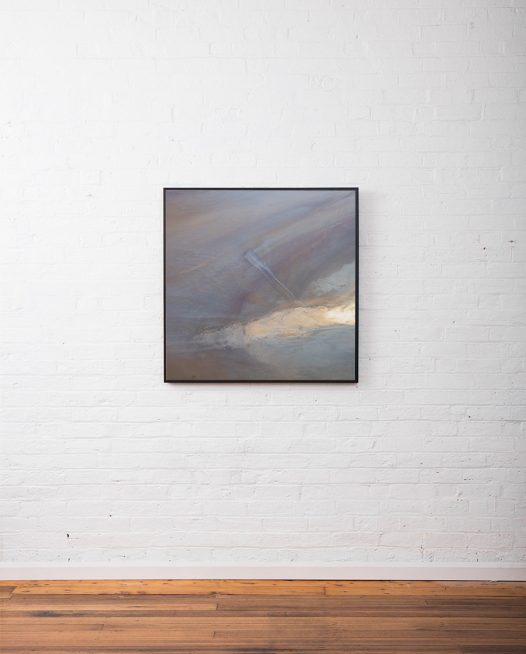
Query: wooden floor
point(263, 617)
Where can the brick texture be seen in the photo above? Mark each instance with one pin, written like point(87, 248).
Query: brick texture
point(420, 103)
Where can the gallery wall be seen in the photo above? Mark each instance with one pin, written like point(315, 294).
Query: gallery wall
point(419, 103)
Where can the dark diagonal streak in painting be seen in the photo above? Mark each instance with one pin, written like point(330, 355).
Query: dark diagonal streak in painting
point(253, 259)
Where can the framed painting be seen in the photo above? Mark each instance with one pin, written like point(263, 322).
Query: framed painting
point(261, 284)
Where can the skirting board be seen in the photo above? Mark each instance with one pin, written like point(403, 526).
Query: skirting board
point(428, 572)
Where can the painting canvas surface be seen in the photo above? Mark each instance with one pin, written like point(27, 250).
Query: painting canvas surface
point(260, 284)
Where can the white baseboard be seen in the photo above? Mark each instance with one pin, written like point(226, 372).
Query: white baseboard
point(474, 572)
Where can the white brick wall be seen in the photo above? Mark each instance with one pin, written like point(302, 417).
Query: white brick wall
point(420, 103)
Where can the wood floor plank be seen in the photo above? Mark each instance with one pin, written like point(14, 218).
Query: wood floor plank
point(428, 588)
point(171, 587)
point(375, 605)
point(108, 602)
point(167, 613)
point(262, 633)
point(273, 587)
point(364, 648)
point(12, 622)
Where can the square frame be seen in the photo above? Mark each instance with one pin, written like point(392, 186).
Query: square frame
point(355, 189)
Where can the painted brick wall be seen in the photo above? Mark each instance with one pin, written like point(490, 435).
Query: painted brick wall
point(420, 103)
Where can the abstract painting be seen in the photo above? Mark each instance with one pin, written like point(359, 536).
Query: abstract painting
point(260, 284)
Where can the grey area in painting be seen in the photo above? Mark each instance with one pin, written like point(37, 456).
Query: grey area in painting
point(260, 285)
